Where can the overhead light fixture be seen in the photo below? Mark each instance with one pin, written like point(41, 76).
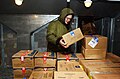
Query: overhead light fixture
point(18, 2)
point(68, 0)
point(87, 3)
point(36, 16)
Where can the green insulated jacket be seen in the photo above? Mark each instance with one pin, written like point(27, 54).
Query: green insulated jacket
point(55, 31)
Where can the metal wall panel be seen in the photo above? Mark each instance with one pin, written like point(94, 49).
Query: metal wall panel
point(8, 45)
point(116, 38)
point(24, 24)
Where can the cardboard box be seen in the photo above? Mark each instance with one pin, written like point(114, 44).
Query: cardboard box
point(88, 63)
point(70, 75)
point(39, 62)
point(100, 40)
point(100, 64)
point(45, 59)
point(73, 36)
point(71, 56)
point(18, 73)
point(24, 58)
point(112, 57)
point(93, 63)
point(41, 75)
point(68, 66)
point(93, 71)
point(106, 76)
point(94, 53)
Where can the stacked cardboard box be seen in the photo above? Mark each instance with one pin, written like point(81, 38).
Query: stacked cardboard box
point(69, 70)
point(65, 69)
point(94, 47)
point(93, 71)
point(23, 63)
point(65, 61)
point(92, 67)
point(85, 63)
point(98, 64)
point(41, 75)
point(70, 75)
point(45, 61)
point(20, 74)
point(68, 67)
point(106, 76)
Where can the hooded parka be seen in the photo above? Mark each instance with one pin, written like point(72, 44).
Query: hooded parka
point(55, 31)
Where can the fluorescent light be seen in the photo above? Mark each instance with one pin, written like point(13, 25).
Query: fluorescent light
point(87, 3)
point(18, 2)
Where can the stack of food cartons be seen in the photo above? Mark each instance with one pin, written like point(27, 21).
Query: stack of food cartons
point(45, 61)
point(94, 46)
point(23, 63)
point(68, 67)
point(41, 75)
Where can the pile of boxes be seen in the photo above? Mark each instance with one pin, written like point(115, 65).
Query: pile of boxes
point(23, 63)
point(98, 63)
point(46, 65)
point(94, 46)
point(45, 61)
point(93, 63)
point(92, 67)
point(68, 67)
point(50, 65)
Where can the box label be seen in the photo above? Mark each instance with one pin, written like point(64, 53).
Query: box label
point(72, 33)
point(93, 42)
